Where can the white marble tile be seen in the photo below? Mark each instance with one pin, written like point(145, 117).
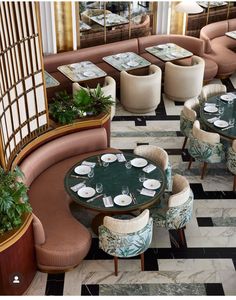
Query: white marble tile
point(73, 281)
point(171, 108)
point(123, 126)
point(197, 265)
point(160, 238)
point(162, 125)
point(38, 285)
point(228, 279)
point(120, 111)
point(215, 203)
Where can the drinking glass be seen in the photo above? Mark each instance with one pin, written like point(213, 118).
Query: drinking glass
point(141, 177)
point(99, 187)
point(125, 190)
point(91, 173)
point(230, 101)
point(231, 121)
point(128, 165)
point(105, 164)
point(221, 111)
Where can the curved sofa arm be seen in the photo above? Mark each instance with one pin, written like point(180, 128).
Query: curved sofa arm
point(39, 234)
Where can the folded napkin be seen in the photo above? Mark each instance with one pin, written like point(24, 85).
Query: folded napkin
point(149, 168)
point(147, 192)
point(120, 157)
point(108, 201)
point(212, 120)
point(89, 163)
point(78, 186)
point(210, 104)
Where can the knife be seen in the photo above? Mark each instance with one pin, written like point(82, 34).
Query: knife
point(76, 176)
point(227, 127)
point(90, 200)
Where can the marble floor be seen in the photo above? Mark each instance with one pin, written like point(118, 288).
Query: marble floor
point(206, 266)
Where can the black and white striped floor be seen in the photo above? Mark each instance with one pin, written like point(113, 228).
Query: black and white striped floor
point(206, 266)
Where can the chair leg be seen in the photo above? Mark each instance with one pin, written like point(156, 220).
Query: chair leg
point(142, 261)
point(234, 187)
point(203, 170)
point(184, 144)
point(180, 232)
point(190, 162)
point(116, 265)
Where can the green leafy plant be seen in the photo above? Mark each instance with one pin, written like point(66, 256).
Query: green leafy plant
point(13, 199)
point(65, 108)
point(62, 108)
point(92, 101)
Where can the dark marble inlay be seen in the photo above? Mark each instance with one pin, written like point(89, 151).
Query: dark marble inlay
point(224, 222)
point(163, 289)
point(140, 121)
point(205, 222)
point(214, 289)
point(55, 284)
point(90, 290)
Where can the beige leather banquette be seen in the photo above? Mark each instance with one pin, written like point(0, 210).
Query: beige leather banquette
point(137, 45)
point(220, 47)
point(61, 241)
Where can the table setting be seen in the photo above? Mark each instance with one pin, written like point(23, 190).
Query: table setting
point(115, 181)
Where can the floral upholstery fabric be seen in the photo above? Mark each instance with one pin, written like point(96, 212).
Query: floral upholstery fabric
point(173, 217)
point(168, 173)
point(125, 245)
point(186, 125)
point(205, 152)
point(231, 160)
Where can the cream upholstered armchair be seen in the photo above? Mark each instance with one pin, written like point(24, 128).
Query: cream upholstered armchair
point(141, 94)
point(126, 238)
point(187, 117)
point(231, 161)
point(109, 89)
point(159, 156)
point(184, 82)
point(211, 90)
point(205, 147)
point(175, 211)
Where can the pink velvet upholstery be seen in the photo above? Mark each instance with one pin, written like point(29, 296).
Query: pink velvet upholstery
point(61, 242)
point(219, 47)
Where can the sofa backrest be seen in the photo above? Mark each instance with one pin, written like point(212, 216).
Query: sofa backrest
point(192, 44)
point(232, 24)
point(61, 148)
point(94, 54)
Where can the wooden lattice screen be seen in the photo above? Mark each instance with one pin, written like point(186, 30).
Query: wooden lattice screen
point(23, 104)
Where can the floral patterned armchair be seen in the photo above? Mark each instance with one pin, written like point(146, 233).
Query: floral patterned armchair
point(205, 147)
point(175, 211)
point(126, 238)
point(231, 161)
point(159, 156)
point(187, 117)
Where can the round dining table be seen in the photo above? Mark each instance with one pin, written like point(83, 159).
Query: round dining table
point(229, 112)
point(113, 177)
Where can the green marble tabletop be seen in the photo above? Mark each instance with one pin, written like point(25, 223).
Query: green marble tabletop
point(50, 80)
point(228, 113)
point(113, 178)
point(111, 20)
point(169, 52)
point(126, 61)
point(82, 71)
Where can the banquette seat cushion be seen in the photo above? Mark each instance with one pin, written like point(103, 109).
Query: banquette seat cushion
point(219, 47)
point(61, 242)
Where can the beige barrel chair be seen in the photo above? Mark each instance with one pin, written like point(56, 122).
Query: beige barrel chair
point(141, 94)
point(211, 90)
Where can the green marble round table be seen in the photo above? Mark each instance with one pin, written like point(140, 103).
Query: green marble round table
point(113, 178)
point(229, 112)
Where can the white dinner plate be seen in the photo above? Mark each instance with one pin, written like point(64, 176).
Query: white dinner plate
point(121, 55)
point(82, 170)
point(88, 73)
point(210, 108)
point(109, 158)
point(227, 97)
point(86, 192)
point(138, 162)
point(221, 123)
point(161, 46)
point(122, 200)
point(132, 63)
point(152, 184)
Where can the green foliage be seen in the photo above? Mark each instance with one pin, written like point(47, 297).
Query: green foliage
point(13, 199)
point(62, 108)
point(92, 101)
point(65, 109)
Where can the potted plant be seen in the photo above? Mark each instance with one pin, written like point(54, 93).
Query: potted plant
point(65, 109)
point(13, 200)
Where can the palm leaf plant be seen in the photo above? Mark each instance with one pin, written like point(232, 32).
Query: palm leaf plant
point(13, 199)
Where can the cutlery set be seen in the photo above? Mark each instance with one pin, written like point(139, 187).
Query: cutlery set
point(77, 176)
point(228, 127)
